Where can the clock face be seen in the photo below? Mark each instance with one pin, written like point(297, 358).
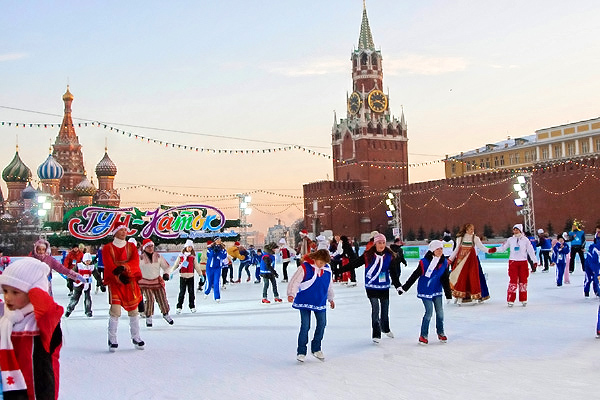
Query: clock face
point(377, 101)
point(354, 103)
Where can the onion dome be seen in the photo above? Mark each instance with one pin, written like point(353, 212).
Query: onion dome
point(29, 192)
point(50, 169)
point(106, 167)
point(84, 188)
point(16, 171)
point(68, 95)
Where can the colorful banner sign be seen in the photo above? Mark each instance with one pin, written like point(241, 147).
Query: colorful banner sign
point(185, 221)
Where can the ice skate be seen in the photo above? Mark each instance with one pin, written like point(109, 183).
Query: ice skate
point(168, 318)
point(423, 340)
point(319, 354)
point(442, 338)
point(301, 357)
point(389, 334)
point(149, 322)
point(266, 301)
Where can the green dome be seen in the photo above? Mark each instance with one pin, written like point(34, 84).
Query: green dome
point(16, 171)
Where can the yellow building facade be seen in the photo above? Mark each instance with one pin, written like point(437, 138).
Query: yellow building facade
point(557, 143)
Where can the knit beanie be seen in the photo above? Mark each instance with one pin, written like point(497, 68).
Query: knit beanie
point(188, 243)
point(379, 237)
point(26, 274)
point(86, 257)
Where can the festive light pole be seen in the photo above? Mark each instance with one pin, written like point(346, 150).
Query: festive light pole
point(44, 207)
point(245, 210)
point(524, 190)
point(395, 211)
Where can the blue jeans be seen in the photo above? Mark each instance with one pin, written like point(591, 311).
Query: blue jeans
point(439, 315)
point(380, 322)
point(315, 344)
point(213, 276)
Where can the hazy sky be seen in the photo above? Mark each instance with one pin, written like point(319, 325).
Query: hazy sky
point(240, 74)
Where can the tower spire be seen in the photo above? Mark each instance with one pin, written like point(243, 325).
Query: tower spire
point(365, 40)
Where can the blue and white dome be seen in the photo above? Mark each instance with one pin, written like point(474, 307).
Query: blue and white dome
point(50, 169)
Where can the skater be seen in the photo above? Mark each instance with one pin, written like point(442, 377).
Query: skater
point(433, 276)
point(4, 261)
point(309, 290)
point(41, 252)
point(518, 270)
point(256, 262)
point(71, 260)
point(152, 283)
point(237, 252)
point(467, 280)
point(216, 255)
point(268, 273)
point(286, 255)
point(85, 268)
point(559, 258)
point(381, 267)
point(186, 263)
point(545, 245)
point(347, 256)
point(122, 272)
point(202, 278)
point(448, 244)
point(577, 239)
point(99, 271)
point(30, 332)
point(592, 269)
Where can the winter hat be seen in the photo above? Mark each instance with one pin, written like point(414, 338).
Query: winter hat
point(118, 226)
point(435, 244)
point(86, 257)
point(321, 238)
point(188, 243)
point(26, 274)
point(282, 241)
point(519, 227)
point(374, 233)
point(146, 243)
point(270, 247)
point(539, 231)
point(303, 232)
point(236, 243)
point(42, 242)
point(209, 242)
point(379, 237)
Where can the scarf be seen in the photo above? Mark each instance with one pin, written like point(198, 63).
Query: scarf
point(12, 377)
point(434, 262)
point(375, 268)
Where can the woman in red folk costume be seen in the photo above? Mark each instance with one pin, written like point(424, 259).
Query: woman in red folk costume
point(467, 280)
point(121, 274)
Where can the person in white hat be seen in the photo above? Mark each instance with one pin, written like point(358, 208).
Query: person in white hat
point(121, 274)
point(186, 263)
point(382, 268)
point(433, 276)
point(545, 245)
point(518, 270)
point(286, 255)
point(30, 333)
point(84, 286)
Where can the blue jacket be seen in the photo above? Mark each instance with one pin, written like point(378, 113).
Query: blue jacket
point(431, 283)
point(559, 256)
point(215, 255)
point(267, 265)
point(577, 238)
point(592, 257)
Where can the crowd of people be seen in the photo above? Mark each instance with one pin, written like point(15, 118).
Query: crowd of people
point(134, 274)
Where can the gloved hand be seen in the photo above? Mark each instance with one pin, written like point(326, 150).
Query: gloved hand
point(275, 274)
point(124, 279)
point(492, 250)
point(400, 290)
point(166, 277)
point(118, 270)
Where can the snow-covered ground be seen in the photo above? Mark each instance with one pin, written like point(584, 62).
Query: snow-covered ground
point(242, 349)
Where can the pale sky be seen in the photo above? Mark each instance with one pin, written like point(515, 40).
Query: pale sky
point(241, 74)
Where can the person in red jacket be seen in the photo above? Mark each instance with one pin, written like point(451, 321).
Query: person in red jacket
point(30, 333)
point(73, 258)
point(121, 275)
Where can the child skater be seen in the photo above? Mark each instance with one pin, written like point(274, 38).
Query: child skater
point(186, 263)
point(85, 268)
point(309, 290)
point(268, 273)
point(433, 276)
point(592, 269)
point(30, 334)
point(559, 258)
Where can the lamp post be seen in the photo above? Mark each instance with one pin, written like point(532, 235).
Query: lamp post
point(244, 206)
point(44, 207)
point(524, 191)
point(395, 211)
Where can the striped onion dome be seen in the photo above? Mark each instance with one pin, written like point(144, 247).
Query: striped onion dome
point(50, 169)
point(16, 171)
point(84, 188)
point(29, 192)
point(106, 167)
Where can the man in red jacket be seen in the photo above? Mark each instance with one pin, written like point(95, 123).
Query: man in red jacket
point(121, 275)
point(71, 260)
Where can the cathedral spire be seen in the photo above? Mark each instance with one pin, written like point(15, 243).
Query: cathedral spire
point(365, 40)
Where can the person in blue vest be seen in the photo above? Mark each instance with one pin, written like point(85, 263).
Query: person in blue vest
point(216, 255)
point(545, 246)
point(559, 258)
point(577, 239)
point(381, 269)
point(434, 277)
point(309, 290)
point(268, 273)
point(592, 269)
